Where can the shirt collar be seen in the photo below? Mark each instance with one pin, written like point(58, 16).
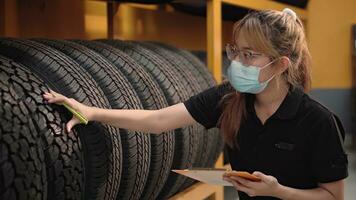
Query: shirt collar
point(289, 107)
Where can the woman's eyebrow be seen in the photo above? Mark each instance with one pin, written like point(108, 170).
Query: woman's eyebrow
point(247, 48)
point(244, 48)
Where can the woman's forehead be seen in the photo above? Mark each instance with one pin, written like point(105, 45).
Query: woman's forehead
point(242, 43)
point(251, 40)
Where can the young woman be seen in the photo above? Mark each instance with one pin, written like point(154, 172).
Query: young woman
point(271, 127)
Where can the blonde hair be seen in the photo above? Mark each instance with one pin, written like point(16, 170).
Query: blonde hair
point(275, 34)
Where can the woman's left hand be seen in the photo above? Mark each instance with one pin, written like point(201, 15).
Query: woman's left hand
point(268, 186)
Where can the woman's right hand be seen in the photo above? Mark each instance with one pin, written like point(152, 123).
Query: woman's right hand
point(86, 111)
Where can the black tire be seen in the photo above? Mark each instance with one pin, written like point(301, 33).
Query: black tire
point(199, 7)
point(202, 56)
point(215, 143)
point(200, 66)
point(101, 143)
point(191, 80)
point(194, 65)
point(121, 95)
point(205, 81)
point(197, 83)
point(152, 97)
point(170, 82)
point(299, 3)
point(195, 61)
point(62, 151)
point(216, 149)
point(22, 166)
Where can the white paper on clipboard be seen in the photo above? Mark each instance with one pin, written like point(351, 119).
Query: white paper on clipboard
point(206, 175)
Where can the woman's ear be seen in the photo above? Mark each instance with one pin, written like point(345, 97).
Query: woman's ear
point(283, 64)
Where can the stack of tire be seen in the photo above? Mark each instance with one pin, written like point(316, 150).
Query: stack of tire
point(39, 159)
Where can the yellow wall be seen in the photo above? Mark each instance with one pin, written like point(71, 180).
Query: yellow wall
point(329, 34)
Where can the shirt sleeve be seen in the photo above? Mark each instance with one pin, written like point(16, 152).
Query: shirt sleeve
point(204, 107)
point(329, 159)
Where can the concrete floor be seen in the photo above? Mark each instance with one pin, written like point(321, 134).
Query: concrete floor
point(350, 189)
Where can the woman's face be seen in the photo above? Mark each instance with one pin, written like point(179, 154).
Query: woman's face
point(249, 56)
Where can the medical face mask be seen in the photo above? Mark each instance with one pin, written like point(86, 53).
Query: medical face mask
point(245, 78)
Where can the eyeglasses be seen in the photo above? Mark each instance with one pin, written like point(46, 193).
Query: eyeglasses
point(233, 53)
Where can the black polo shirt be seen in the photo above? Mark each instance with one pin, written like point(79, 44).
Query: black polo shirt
point(299, 144)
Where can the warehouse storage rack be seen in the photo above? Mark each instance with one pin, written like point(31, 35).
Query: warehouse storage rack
point(214, 63)
point(213, 22)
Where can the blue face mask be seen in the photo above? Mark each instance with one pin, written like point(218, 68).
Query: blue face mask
point(245, 78)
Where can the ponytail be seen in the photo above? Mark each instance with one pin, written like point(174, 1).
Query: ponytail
point(234, 111)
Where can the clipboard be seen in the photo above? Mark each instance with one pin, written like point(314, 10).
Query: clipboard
point(213, 176)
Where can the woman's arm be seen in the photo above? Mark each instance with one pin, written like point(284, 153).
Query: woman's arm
point(150, 121)
point(325, 191)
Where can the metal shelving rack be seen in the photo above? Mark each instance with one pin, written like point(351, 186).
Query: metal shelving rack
point(214, 61)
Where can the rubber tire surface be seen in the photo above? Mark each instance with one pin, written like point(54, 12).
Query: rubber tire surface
point(205, 81)
point(22, 166)
point(198, 62)
point(203, 70)
point(196, 82)
point(62, 151)
point(202, 56)
point(191, 80)
point(101, 143)
point(172, 86)
point(152, 98)
point(228, 12)
point(121, 95)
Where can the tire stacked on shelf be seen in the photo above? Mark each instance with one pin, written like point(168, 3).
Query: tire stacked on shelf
point(23, 172)
point(101, 143)
point(202, 55)
point(218, 145)
point(203, 79)
point(152, 97)
point(97, 161)
point(121, 95)
point(194, 82)
point(175, 90)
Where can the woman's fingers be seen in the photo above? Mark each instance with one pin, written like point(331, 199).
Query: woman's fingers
point(54, 97)
point(58, 98)
point(239, 186)
point(74, 121)
point(241, 180)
